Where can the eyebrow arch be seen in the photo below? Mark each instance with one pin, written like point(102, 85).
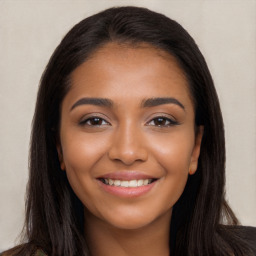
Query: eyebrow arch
point(152, 102)
point(93, 101)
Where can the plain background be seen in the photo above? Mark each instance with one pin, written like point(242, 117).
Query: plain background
point(29, 32)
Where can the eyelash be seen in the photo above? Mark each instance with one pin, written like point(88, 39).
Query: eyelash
point(170, 122)
point(92, 119)
point(102, 122)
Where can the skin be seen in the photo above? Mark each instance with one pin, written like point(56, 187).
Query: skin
point(128, 137)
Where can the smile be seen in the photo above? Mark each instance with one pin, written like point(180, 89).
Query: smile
point(127, 183)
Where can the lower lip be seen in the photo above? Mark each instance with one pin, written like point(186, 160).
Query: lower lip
point(127, 192)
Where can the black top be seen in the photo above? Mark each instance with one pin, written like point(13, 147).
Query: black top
point(249, 234)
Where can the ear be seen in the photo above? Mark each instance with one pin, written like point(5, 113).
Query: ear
point(60, 156)
point(196, 150)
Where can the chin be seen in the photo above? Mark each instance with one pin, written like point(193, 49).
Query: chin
point(135, 219)
point(132, 223)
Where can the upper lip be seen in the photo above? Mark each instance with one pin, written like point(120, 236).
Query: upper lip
point(126, 175)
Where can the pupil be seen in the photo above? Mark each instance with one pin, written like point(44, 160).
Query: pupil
point(160, 121)
point(96, 121)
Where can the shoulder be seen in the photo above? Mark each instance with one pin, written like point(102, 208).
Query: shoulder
point(21, 251)
point(248, 234)
point(40, 253)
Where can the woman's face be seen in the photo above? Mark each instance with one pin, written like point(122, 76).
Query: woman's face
point(127, 135)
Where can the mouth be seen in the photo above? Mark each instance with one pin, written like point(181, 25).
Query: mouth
point(127, 183)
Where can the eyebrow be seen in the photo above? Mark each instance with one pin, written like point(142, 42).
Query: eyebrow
point(102, 102)
point(152, 102)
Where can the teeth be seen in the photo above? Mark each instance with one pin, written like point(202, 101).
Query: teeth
point(140, 182)
point(124, 184)
point(133, 183)
point(117, 182)
point(127, 184)
point(145, 182)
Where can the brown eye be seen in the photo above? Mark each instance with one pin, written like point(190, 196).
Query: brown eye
point(162, 122)
point(94, 121)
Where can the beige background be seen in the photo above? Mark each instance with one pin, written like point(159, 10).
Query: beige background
point(30, 30)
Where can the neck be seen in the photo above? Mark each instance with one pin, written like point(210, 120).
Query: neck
point(106, 240)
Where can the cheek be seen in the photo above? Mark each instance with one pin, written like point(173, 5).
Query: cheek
point(174, 156)
point(81, 151)
point(80, 154)
point(174, 151)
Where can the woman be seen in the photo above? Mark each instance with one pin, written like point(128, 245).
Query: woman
point(127, 150)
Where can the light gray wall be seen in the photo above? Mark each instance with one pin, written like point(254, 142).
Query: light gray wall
point(30, 30)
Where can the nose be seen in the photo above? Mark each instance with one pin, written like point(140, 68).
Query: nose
point(128, 145)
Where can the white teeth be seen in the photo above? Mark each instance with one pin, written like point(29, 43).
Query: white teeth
point(126, 183)
point(133, 183)
point(145, 182)
point(117, 182)
point(140, 182)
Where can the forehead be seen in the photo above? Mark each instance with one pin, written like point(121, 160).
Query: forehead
point(124, 53)
point(122, 70)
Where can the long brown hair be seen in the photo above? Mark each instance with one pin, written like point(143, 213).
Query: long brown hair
point(54, 215)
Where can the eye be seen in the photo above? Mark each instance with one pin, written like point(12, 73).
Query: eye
point(162, 121)
point(94, 121)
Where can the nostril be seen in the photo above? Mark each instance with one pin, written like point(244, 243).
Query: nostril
point(128, 159)
point(128, 155)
